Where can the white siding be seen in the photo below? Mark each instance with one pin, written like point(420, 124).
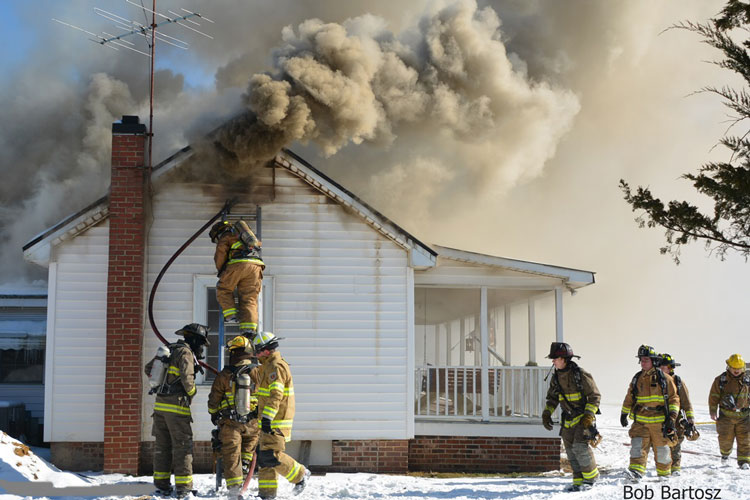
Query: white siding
point(76, 339)
point(340, 303)
point(450, 272)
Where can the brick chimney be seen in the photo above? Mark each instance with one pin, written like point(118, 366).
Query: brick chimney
point(125, 297)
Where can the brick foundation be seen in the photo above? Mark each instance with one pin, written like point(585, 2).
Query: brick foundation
point(77, 456)
point(483, 454)
point(382, 456)
point(125, 298)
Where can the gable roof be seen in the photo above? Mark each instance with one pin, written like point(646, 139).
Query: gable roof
point(38, 249)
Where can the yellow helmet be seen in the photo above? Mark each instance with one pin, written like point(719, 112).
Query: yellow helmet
point(735, 361)
point(239, 342)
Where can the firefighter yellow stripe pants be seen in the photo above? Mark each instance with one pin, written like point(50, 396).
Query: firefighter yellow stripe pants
point(272, 448)
point(642, 438)
point(732, 428)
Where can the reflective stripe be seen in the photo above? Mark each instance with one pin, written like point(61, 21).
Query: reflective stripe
point(649, 399)
point(162, 475)
point(689, 413)
point(213, 410)
point(265, 391)
point(267, 483)
point(572, 423)
point(248, 456)
point(649, 420)
point(740, 457)
point(674, 408)
point(167, 408)
point(269, 412)
point(247, 326)
point(549, 408)
point(173, 370)
point(229, 312)
point(233, 481)
point(573, 396)
point(577, 480)
point(723, 452)
point(592, 408)
point(292, 472)
point(625, 409)
point(250, 259)
point(638, 468)
point(191, 392)
point(183, 479)
point(660, 472)
point(276, 386)
point(675, 469)
point(590, 475)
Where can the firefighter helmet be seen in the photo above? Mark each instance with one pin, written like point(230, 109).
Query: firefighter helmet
point(195, 331)
point(265, 340)
point(667, 360)
point(647, 350)
point(219, 229)
point(240, 343)
point(736, 361)
point(560, 350)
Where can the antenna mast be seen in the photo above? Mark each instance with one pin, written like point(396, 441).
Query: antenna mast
point(136, 28)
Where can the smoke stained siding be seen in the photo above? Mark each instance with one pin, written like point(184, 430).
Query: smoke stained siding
point(340, 303)
point(76, 391)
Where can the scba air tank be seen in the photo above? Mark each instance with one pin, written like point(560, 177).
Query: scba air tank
point(242, 394)
point(159, 368)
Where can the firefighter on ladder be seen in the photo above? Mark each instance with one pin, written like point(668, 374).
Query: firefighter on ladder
point(233, 407)
point(239, 266)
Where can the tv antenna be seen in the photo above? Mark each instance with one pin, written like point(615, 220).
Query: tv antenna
point(151, 34)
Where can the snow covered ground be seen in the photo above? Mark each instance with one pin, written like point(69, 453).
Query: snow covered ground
point(702, 476)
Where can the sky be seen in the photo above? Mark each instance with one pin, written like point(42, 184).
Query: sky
point(702, 475)
point(500, 127)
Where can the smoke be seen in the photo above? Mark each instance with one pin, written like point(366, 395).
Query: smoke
point(446, 83)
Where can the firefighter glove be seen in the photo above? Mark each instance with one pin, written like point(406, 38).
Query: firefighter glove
point(624, 419)
point(713, 415)
point(215, 418)
point(669, 426)
point(587, 420)
point(547, 420)
point(265, 425)
point(253, 414)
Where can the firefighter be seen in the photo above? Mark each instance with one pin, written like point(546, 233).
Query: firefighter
point(276, 413)
point(238, 431)
point(667, 364)
point(576, 392)
point(652, 402)
point(729, 393)
point(239, 266)
point(173, 447)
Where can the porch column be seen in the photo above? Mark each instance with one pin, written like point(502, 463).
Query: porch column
point(507, 335)
point(484, 334)
point(558, 314)
point(532, 334)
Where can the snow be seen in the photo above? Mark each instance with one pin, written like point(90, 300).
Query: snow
point(701, 471)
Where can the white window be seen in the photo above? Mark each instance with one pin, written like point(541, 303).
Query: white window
point(206, 311)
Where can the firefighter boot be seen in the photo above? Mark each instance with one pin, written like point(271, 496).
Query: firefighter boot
point(302, 484)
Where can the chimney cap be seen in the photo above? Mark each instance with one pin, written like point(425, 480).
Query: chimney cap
point(129, 124)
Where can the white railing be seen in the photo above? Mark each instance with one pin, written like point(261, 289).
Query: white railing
point(450, 392)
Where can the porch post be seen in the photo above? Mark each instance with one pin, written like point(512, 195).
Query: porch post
point(462, 345)
point(532, 334)
point(558, 314)
point(484, 334)
point(507, 335)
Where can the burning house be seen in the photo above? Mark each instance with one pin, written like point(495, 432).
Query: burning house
point(401, 350)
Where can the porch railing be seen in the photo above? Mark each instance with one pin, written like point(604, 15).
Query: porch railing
point(450, 392)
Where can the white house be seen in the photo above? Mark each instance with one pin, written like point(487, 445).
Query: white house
point(399, 350)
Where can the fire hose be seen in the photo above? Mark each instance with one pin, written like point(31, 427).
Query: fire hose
point(221, 213)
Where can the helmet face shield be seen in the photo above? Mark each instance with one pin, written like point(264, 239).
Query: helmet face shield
point(218, 229)
point(265, 340)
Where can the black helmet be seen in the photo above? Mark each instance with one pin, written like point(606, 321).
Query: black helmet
point(560, 350)
point(647, 350)
point(195, 332)
point(219, 229)
point(668, 360)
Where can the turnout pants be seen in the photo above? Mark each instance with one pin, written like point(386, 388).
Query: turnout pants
point(643, 437)
point(730, 428)
point(677, 450)
point(238, 443)
point(246, 277)
point(173, 451)
point(274, 461)
point(580, 455)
